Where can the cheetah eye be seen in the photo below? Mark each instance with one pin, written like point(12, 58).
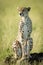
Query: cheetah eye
point(23, 10)
point(22, 31)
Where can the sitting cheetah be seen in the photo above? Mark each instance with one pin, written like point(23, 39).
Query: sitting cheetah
point(25, 29)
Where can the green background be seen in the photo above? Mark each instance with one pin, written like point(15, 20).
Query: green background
point(9, 20)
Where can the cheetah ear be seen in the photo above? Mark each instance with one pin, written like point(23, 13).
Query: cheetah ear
point(18, 8)
point(29, 8)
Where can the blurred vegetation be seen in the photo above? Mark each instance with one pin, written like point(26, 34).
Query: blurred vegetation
point(9, 19)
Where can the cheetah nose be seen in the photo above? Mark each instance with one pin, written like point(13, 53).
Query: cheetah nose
point(20, 14)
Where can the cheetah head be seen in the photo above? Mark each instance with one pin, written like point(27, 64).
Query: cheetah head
point(23, 11)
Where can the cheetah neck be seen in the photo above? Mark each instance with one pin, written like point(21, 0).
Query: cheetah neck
point(25, 19)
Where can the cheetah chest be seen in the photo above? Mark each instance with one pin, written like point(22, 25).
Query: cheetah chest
point(25, 32)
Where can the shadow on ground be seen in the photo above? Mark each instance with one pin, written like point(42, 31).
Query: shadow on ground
point(35, 59)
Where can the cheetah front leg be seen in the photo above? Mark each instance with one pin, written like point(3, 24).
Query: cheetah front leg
point(28, 47)
point(25, 49)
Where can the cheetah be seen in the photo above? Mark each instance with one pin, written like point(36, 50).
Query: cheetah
point(24, 32)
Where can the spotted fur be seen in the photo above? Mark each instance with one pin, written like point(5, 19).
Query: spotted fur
point(24, 34)
point(17, 49)
point(25, 30)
